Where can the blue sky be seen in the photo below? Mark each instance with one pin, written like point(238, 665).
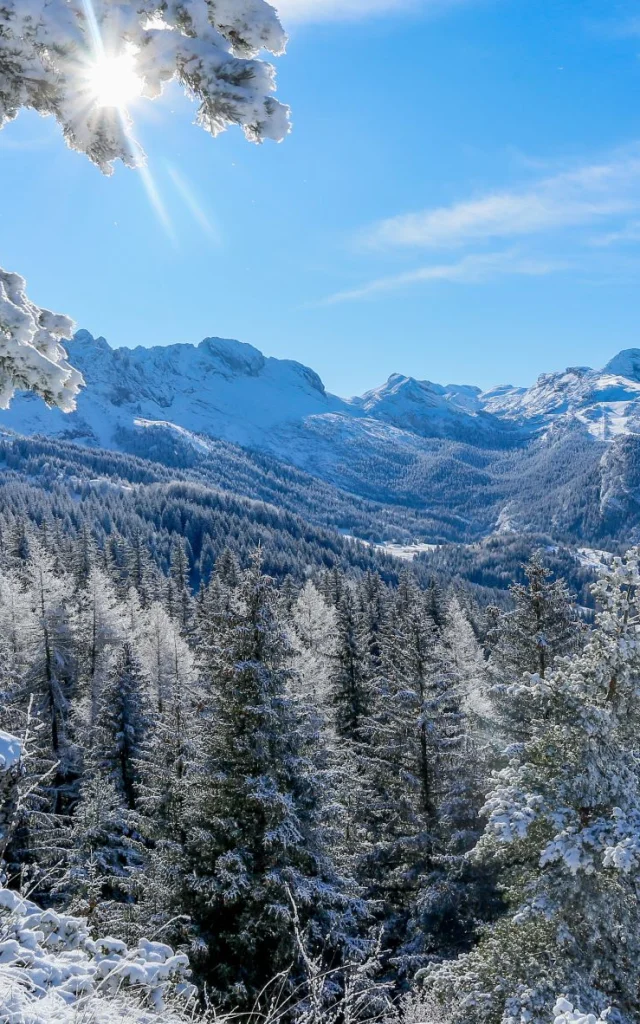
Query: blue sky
point(459, 200)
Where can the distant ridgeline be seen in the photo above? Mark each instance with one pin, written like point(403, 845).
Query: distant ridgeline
point(408, 461)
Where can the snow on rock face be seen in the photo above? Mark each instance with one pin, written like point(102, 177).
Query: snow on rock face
point(221, 387)
point(401, 393)
point(226, 389)
point(235, 357)
point(606, 401)
point(625, 364)
point(428, 409)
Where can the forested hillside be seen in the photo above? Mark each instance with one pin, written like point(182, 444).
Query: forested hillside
point(335, 781)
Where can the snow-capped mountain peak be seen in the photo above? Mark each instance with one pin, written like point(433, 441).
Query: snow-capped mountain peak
point(606, 401)
point(227, 389)
point(221, 387)
point(625, 364)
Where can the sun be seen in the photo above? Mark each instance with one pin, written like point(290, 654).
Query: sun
point(113, 81)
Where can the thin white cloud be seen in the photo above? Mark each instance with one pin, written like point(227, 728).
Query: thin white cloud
point(293, 11)
point(616, 28)
point(628, 234)
point(572, 199)
point(473, 269)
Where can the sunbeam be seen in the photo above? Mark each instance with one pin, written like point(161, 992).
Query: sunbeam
point(156, 201)
point(186, 193)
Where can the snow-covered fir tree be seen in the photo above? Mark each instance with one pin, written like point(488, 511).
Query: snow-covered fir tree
point(124, 726)
point(563, 831)
point(254, 829)
point(543, 624)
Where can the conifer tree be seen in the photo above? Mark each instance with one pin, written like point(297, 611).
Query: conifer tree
point(181, 600)
point(227, 569)
point(84, 557)
point(350, 683)
point(123, 727)
point(543, 625)
point(400, 763)
point(563, 830)
point(255, 837)
point(140, 571)
point(50, 676)
point(313, 635)
point(103, 854)
point(97, 627)
point(467, 665)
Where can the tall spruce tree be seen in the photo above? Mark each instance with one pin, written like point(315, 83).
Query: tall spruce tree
point(179, 587)
point(351, 678)
point(254, 835)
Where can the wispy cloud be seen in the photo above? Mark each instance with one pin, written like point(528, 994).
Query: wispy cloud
point(355, 10)
point(627, 234)
point(577, 219)
point(590, 194)
point(622, 27)
point(473, 269)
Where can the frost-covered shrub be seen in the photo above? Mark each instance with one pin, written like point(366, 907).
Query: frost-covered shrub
point(52, 972)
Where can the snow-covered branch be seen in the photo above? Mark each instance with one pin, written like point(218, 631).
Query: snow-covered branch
point(49, 52)
point(31, 357)
point(52, 971)
point(53, 55)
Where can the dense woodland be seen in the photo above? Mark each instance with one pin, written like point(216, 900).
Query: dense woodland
point(330, 768)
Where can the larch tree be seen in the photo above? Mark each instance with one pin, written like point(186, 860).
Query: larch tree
point(314, 642)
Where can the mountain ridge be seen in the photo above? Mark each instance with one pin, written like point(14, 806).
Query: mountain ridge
point(230, 389)
point(562, 450)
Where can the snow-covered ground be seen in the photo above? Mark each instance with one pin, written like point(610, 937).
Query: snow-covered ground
point(593, 558)
point(405, 551)
point(52, 972)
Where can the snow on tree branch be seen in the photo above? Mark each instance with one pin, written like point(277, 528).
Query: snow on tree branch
point(55, 57)
point(31, 357)
point(52, 972)
point(50, 51)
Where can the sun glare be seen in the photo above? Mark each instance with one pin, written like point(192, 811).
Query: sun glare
point(113, 81)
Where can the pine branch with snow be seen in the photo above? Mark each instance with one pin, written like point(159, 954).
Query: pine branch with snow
point(31, 356)
point(49, 54)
